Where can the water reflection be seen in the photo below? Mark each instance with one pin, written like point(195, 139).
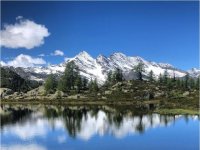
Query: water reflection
point(60, 127)
point(28, 122)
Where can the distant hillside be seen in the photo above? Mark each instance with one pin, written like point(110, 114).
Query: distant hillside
point(11, 80)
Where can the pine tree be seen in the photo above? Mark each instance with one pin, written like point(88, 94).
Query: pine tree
point(139, 69)
point(90, 85)
point(178, 83)
point(186, 81)
point(50, 84)
point(117, 76)
point(165, 77)
point(182, 84)
point(67, 81)
point(85, 82)
point(197, 84)
point(151, 76)
point(78, 83)
point(191, 83)
point(160, 78)
point(170, 83)
point(109, 78)
point(95, 86)
point(174, 77)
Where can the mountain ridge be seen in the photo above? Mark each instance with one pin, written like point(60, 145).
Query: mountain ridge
point(98, 67)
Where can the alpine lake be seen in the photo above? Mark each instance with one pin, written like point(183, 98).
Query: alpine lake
point(94, 127)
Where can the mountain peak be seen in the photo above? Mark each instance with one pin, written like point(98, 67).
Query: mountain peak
point(84, 55)
point(101, 57)
point(194, 72)
point(118, 54)
point(99, 67)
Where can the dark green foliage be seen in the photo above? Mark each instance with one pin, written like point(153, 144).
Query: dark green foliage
point(109, 80)
point(178, 83)
point(139, 69)
point(160, 79)
point(197, 84)
point(85, 83)
point(151, 76)
point(78, 83)
point(93, 86)
point(50, 84)
point(67, 81)
point(165, 77)
point(191, 83)
point(117, 76)
point(186, 81)
point(109, 77)
point(72, 79)
point(11, 80)
point(174, 78)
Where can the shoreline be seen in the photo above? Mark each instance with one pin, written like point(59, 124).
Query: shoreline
point(83, 102)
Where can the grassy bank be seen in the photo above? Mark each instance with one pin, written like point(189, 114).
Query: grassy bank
point(177, 111)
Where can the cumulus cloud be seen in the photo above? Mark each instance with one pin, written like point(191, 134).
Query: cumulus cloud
point(41, 55)
point(23, 34)
point(2, 63)
point(24, 61)
point(57, 53)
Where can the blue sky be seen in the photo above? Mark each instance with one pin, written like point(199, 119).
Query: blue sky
point(158, 31)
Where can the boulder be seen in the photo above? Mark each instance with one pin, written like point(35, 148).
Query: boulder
point(158, 94)
point(125, 91)
point(5, 92)
point(103, 97)
point(108, 92)
point(186, 93)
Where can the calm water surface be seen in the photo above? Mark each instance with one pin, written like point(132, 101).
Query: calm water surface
point(94, 127)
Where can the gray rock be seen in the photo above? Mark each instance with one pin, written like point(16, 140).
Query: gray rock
point(158, 94)
point(103, 97)
point(125, 91)
point(108, 92)
point(5, 92)
point(186, 93)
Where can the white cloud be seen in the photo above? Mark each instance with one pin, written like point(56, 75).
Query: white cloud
point(23, 34)
point(19, 17)
point(41, 55)
point(57, 53)
point(2, 63)
point(23, 147)
point(24, 61)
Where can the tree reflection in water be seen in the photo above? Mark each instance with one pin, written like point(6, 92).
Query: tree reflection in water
point(83, 121)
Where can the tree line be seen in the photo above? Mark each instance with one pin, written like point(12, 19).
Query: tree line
point(185, 83)
point(71, 80)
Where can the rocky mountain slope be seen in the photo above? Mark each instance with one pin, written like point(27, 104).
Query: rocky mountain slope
point(98, 68)
point(13, 81)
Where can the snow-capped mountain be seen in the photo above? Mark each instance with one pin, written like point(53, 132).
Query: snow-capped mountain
point(98, 68)
point(194, 72)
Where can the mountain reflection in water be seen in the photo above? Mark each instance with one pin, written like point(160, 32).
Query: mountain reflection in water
point(83, 123)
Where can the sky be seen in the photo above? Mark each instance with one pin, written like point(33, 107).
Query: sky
point(42, 33)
